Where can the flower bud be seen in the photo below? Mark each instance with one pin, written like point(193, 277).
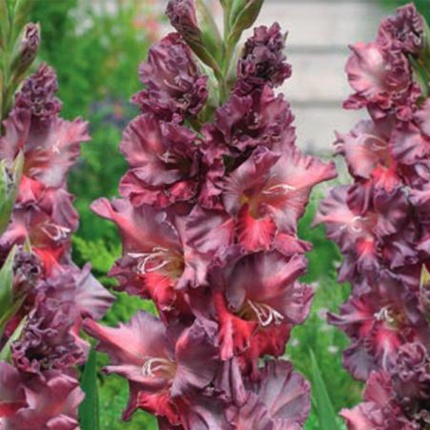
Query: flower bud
point(25, 51)
point(198, 29)
point(9, 182)
point(243, 15)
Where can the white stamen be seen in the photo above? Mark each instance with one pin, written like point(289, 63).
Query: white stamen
point(152, 365)
point(279, 188)
point(355, 225)
point(145, 258)
point(266, 314)
point(384, 315)
point(56, 232)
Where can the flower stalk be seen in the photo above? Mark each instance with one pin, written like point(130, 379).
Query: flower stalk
point(380, 224)
point(44, 296)
point(208, 220)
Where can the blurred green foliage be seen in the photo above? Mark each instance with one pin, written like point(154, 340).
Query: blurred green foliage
point(96, 55)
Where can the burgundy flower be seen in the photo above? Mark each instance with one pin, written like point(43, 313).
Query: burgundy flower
point(379, 411)
point(269, 192)
point(379, 322)
point(404, 31)
point(50, 144)
point(47, 342)
point(381, 226)
point(159, 365)
point(382, 80)
point(208, 222)
point(258, 303)
point(163, 161)
point(51, 403)
point(261, 118)
point(279, 401)
point(262, 60)
point(156, 261)
point(174, 85)
point(12, 394)
point(369, 151)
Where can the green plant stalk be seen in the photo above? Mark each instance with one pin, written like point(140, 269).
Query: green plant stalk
point(227, 53)
point(12, 21)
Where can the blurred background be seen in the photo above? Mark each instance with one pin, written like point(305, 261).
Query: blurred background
point(96, 47)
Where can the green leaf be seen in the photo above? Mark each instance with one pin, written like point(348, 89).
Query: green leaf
point(326, 416)
point(7, 305)
point(9, 183)
point(5, 351)
point(89, 414)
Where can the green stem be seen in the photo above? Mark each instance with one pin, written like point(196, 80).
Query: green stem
point(227, 52)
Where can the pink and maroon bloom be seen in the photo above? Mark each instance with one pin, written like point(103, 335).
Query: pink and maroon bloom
point(175, 88)
point(53, 295)
point(263, 61)
point(380, 224)
point(403, 31)
point(164, 162)
point(35, 402)
point(268, 194)
point(208, 221)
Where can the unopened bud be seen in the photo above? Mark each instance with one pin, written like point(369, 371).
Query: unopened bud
point(25, 51)
point(243, 15)
point(197, 27)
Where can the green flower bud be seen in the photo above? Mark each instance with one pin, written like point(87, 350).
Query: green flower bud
point(242, 16)
point(25, 51)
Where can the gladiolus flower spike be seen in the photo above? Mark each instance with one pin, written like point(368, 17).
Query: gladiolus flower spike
point(44, 296)
point(381, 225)
point(208, 221)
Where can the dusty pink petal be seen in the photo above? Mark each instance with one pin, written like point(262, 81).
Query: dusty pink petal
point(366, 416)
point(140, 350)
point(285, 393)
point(174, 84)
point(142, 229)
point(197, 359)
point(139, 193)
point(404, 30)
point(255, 234)
point(153, 151)
point(253, 414)
point(204, 413)
point(16, 129)
point(358, 361)
point(409, 144)
point(288, 190)
point(266, 284)
point(368, 153)
point(49, 155)
point(12, 395)
point(52, 403)
point(246, 183)
point(209, 230)
point(378, 75)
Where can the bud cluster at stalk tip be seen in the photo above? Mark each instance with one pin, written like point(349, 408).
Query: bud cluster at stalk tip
point(381, 225)
point(208, 220)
